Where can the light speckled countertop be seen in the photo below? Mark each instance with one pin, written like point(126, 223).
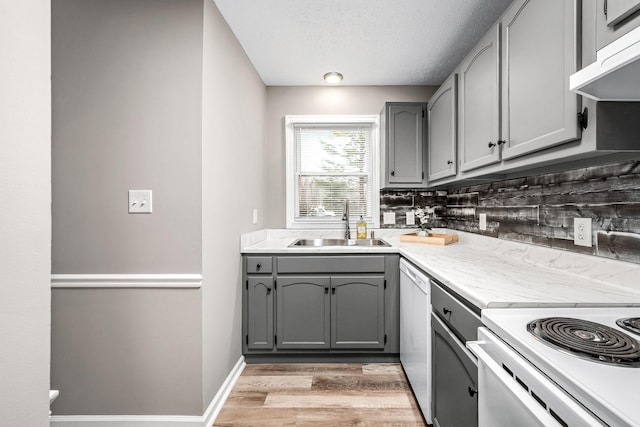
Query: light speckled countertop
point(489, 272)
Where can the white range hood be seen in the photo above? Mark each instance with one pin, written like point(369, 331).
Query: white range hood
point(615, 76)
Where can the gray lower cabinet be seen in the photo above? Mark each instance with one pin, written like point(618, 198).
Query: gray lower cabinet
point(357, 312)
point(442, 136)
point(455, 379)
point(539, 53)
point(314, 305)
point(321, 312)
point(303, 311)
point(260, 309)
point(455, 369)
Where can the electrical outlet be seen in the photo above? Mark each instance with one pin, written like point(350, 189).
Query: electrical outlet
point(411, 218)
point(582, 232)
point(482, 221)
point(255, 216)
point(389, 218)
point(140, 201)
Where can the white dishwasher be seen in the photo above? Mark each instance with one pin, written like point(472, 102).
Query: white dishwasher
point(415, 333)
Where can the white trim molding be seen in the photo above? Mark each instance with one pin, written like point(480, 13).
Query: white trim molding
point(205, 420)
point(126, 280)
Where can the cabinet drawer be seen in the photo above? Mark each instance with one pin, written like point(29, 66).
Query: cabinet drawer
point(454, 313)
point(331, 264)
point(259, 264)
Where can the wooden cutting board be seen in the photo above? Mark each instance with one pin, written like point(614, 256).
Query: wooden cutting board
point(431, 239)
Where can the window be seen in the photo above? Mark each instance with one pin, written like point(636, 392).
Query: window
point(331, 159)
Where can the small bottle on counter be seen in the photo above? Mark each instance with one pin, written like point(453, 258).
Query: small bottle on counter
point(361, 229)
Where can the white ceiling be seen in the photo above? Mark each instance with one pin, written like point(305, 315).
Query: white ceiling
point(371, 42)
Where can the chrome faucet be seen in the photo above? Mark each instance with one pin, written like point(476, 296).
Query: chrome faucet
point(345, 217)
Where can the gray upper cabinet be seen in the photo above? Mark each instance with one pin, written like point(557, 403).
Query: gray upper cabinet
point(479, 98)
point(357, 312)
point(260, 312)
point(303, 312)
point(442, 135)
point(539, 53)
point(403, 161)
point(615, 18)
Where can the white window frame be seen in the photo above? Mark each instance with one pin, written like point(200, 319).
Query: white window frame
point(290, 122)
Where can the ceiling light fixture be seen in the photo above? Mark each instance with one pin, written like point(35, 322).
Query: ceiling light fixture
point(332, 78)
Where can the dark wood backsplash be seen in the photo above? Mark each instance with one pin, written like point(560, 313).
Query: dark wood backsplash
point(540, 209)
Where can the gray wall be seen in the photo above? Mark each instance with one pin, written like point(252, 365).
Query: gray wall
point(127, 114)
point(233, 184)
point(25, 216)
point(282, 101)
point(175, 106)
point(126, 351)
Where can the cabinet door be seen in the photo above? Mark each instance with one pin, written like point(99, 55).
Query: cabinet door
point(455, 379)
point(539, 53)
point(357, 312)
point(260, 313)
point(617, 11)
point(442, 118)
point(303, 312)
point(479, 119)
point(405, 137)
point(615, 18)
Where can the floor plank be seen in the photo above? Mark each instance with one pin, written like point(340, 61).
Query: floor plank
point(274, 382)
point(377, 382)
point(344, 399)
point(318, 394)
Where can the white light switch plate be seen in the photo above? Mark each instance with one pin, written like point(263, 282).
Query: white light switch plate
point(482, 221)
point(411, 218)
point(140, 201)
point(389, 217)
point(582, 232)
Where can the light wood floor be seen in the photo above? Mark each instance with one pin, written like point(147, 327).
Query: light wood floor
point(321, 395)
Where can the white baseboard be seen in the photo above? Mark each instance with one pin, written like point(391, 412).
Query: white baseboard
point(205, 420)
point(217, 403)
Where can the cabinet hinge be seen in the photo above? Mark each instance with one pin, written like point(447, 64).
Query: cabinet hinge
point(423, 113)
point(246, 339)
point(385, 338)
point(247, 284)
point(275, 284)
point(583, 118)
point(422, 174)
point(605, 7)
point(385, 283)
point(275, 337)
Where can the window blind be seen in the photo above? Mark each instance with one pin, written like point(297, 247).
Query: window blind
point(334, 163)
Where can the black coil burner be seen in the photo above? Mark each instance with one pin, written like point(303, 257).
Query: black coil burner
point(631, 324)
point(589, 340)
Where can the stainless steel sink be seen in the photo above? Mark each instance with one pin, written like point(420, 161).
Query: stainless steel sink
point(337, 242)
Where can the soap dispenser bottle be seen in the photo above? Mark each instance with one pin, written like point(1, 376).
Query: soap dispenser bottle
point(361, 229)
